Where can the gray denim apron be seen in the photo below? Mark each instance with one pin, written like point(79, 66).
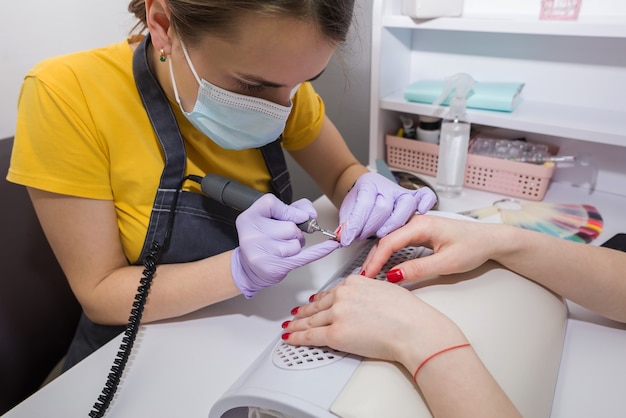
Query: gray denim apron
point(201, 226)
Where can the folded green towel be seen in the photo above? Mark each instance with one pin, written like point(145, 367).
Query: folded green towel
point(501, 96)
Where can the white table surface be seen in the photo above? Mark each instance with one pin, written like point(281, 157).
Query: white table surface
point(181, 367)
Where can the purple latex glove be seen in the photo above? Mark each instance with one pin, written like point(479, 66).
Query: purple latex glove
point(376, 205)
point(271, 245)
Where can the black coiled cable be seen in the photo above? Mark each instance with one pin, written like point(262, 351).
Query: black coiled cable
point(132, 328)
point(130, 334)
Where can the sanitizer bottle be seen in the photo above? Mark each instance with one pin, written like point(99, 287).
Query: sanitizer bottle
point(454, 136)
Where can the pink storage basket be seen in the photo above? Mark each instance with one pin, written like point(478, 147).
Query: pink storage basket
point(511, 178)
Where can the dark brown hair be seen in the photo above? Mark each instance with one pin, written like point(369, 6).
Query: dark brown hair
point(193, 18)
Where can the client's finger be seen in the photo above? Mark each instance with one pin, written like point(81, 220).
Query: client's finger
point(319, 319)
point(322, 301)
point(310, 337)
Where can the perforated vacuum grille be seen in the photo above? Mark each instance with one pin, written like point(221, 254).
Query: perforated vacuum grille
point(291, 357)
point(403, 254)
point(300, 357)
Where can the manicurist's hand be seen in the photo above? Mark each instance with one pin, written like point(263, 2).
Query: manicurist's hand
point(376, 206)
point(271, 244)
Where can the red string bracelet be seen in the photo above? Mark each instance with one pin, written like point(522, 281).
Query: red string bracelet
point(435, 355)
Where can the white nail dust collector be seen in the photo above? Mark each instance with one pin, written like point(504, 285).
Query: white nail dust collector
point(299, 381)
point(516, 326)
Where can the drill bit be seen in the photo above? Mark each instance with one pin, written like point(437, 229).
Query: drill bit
point(311, 226)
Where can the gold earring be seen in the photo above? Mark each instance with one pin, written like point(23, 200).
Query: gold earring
point(162, 57)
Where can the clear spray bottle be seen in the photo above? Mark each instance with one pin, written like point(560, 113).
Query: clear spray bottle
point(454, 136)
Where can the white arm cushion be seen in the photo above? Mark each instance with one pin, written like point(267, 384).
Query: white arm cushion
point(516, 326)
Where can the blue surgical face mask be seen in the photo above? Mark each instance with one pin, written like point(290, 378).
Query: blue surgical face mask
point(233, 121)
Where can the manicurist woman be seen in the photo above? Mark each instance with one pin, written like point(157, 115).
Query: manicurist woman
point(106, 138)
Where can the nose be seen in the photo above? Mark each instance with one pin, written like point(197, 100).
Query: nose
point(281, 96)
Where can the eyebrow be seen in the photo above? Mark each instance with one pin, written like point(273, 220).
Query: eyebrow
point(263, 82)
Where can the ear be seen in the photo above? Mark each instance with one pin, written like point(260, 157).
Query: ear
point(158, 22)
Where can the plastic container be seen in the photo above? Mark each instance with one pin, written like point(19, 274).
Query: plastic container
point(454, 135)
point(428, 129)
point(511, 178)
point(408, 127)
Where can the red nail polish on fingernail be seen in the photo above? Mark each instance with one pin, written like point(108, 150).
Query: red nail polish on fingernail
point(338, 233)
point(295, 310)
point(312, 297)
point(284, 325)
point(363, 273)
point(285, 335)
point(395, 275)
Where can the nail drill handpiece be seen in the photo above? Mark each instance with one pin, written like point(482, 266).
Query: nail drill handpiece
point(240, 197)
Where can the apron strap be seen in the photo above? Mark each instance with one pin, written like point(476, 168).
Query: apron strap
point(162, 118)
point(277, 166)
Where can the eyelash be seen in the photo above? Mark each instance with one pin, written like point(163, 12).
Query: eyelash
point(250, 88)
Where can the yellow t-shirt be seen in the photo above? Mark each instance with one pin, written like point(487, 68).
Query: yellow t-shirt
point(82, 130)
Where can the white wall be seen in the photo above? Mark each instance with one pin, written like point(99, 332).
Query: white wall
point(35, 29)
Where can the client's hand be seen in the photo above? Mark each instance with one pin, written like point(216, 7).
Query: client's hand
point(376, 205)
point(373, 318)
point(271, 245)
point(380, 320)
point(458, 246)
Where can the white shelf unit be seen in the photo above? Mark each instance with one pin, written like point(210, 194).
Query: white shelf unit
point(574, 72)
point(574, 96)
point(597, 26)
